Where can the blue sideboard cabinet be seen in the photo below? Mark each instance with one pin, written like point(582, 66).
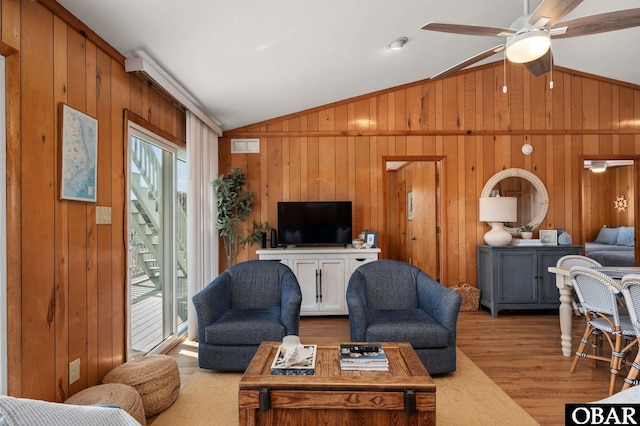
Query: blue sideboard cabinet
point(517, 278)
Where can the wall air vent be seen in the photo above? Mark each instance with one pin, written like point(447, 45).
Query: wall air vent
point(245, 146)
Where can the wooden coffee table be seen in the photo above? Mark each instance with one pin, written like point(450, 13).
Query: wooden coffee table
point(404, 395)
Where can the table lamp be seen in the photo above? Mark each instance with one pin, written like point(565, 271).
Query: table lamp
point(496, 211)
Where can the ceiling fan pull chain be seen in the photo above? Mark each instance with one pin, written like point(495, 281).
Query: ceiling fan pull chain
point(551, 66)
point(504, 78)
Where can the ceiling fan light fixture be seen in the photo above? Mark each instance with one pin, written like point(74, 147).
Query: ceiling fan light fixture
point(398, 43)
point(528, 46)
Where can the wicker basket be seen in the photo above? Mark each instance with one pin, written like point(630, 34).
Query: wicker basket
point(470, 296)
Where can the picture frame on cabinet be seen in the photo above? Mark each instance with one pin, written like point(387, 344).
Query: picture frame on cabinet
point(549, 237)
point(371, 238)
point(78, 155)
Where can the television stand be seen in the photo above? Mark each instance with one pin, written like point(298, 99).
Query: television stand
point(323, 274)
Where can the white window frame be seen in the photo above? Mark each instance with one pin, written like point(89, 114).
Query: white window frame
point(141, 132)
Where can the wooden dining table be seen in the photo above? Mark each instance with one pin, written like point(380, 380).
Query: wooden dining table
point(563, 282)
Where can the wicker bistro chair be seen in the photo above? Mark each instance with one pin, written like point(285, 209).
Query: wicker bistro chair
point(577, 260)
point(631, 292)
point(598, 296)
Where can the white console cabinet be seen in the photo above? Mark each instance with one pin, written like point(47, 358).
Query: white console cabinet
point(323, 274)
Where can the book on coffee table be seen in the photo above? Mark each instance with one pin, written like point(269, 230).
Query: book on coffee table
point(368, 356)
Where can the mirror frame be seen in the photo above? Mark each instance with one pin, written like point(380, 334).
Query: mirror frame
point(534, 180)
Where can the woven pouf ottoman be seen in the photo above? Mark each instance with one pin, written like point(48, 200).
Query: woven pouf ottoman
point(155, 377)
point(118, 394)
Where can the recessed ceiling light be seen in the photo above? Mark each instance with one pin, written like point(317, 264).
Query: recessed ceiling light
point(398, 43)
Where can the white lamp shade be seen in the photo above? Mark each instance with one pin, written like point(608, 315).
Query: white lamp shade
point(498, 209)
point(527, 47)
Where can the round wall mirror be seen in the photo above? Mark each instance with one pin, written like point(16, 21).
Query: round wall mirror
point(533, 199)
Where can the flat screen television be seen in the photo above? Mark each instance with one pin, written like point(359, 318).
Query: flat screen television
point(315, 223)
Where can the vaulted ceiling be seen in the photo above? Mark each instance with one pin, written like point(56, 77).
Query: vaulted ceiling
point(246, 61)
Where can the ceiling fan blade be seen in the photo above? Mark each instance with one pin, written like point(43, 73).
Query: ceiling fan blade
point(555, 10)
point(604, 22)
point(540, 66)
point(468, 29)
point(470, 61)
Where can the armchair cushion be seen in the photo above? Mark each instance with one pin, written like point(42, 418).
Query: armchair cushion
point(403, 281)
point(257, 325)
point(407, 325)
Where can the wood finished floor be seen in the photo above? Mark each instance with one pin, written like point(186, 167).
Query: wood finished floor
point(520, 351)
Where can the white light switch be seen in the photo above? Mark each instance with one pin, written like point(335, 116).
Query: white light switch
point(103, 215)
point(74, 371)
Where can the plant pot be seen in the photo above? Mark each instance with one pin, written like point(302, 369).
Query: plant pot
point(526, 235)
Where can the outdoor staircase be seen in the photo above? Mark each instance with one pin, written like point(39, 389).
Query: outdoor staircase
point(145, 247)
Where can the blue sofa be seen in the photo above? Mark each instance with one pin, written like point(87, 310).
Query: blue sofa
point(391, 301)
point(251, 302)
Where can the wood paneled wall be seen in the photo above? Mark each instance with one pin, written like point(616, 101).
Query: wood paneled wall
point(336, 151)
point(66, 275)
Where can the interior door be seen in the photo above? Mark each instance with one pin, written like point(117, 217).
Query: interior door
point(404, 252)
point(424, 235)
point(414, 214)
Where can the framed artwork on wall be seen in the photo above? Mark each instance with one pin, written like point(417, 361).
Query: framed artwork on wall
point(409, 205)
point(79, 155)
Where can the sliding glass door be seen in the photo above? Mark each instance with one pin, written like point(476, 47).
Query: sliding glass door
point(157, 242)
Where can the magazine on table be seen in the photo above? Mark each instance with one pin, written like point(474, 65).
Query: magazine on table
point(363, 356)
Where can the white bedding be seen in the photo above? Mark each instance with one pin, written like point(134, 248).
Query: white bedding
point(29, 412)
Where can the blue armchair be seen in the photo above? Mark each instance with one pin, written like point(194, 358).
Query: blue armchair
point(251, 302)
point(391, 301)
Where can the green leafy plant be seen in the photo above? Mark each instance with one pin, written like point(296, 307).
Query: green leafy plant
point(234, 204)
point(526, 228)
point(255, 236)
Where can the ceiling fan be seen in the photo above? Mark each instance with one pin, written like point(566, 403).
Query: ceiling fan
point(528, 40)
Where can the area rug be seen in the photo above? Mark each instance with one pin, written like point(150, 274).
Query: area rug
point(467, 397)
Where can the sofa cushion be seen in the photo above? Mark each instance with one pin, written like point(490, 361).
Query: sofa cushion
point(406, 325)
point(257, 325)
point(626, 236)
point(607, 235)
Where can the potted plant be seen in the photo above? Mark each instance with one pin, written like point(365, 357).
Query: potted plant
point(526, 232)
point(234, 204)
point(259, 234)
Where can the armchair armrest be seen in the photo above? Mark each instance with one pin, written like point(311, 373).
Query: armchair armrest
point(212, 302)
point(439, 302)
point(290, 301)
point(357, 305)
